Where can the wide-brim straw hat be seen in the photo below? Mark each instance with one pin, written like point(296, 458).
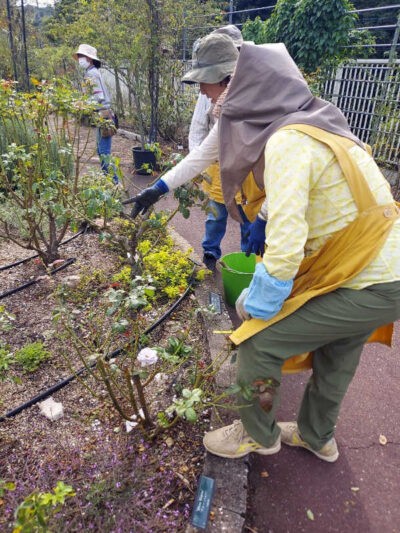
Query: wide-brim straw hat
point(88, 51)
point(213, 60)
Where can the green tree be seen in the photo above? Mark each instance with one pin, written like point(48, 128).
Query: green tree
point(321, 30)
point(317, 33)
point(139, 42)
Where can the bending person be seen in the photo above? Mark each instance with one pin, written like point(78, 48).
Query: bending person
point(217, 216)
point(330, 274)
point(219, 55)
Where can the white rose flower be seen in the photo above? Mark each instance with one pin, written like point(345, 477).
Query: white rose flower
point(147, 357)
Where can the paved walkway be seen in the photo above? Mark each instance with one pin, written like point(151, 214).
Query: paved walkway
point(295, 492)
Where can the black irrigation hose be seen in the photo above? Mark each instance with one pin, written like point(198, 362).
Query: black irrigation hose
point(33, 281)
point(115, 353)
point(22, 261)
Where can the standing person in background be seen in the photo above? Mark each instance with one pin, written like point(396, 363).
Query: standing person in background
point(217, 217)
point(86, 56)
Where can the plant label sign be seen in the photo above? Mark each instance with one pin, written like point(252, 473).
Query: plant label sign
point(215, 301)
point(202, 502)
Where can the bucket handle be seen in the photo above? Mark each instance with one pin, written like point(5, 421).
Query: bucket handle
point(221, 265)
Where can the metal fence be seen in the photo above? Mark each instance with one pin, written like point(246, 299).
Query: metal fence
point(368, 93)
point(384, 32)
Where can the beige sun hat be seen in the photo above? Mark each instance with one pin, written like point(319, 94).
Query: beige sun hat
point(234, 33)
point(214, 59)
point(88, 51)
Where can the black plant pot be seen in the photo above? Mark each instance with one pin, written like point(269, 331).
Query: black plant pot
point(144, 160)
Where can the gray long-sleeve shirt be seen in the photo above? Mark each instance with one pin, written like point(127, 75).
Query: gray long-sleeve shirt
point(98, 89)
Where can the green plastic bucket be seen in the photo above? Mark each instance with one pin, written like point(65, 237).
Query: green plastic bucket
point(237, 271)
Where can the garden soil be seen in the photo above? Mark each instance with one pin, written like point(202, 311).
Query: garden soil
point(124, 484)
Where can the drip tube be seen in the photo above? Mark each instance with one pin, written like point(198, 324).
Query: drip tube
point(60, 384)
point(33, 281)
point(22, 261)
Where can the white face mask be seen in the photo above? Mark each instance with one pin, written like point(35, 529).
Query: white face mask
point(83, 62)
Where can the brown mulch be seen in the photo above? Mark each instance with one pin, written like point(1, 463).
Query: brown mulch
point(122, 482)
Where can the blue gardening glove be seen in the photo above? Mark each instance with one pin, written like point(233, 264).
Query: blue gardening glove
point(239, 305)
point(256, 243)
point(267, 294)
point(147, 198)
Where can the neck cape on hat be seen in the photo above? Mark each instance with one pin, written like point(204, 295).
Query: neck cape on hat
point(266, 92)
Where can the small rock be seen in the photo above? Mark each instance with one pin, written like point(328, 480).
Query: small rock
point(98, 222)
point(161, 378)
point(95, 424)
point(51, 409)
point(130, 425)
point(169, 442)
point(71, 281)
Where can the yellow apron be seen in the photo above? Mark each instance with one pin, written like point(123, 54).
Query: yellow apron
point(342, 257)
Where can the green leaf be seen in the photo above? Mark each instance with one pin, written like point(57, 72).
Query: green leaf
point(190, 415)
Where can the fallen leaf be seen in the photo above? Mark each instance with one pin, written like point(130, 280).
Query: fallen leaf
point(212, 515)
point(183, 479)
point(355, 489)
point(169, 502)
point(264, 473)
point(382, 440)
point(310, 514)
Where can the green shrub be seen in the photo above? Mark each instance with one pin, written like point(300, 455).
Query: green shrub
point(43, 191)
point(169, 268)
point(34, 513)
point(6, 360)
point(123, 277)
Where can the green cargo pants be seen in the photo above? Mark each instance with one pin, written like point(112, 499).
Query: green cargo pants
point(335, 326)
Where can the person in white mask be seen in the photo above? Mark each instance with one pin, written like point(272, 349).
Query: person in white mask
point(86, 56)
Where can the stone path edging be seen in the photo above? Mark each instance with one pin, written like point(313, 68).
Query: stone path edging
point(229, 502)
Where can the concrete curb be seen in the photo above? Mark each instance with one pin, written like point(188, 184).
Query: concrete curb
point(229, 502)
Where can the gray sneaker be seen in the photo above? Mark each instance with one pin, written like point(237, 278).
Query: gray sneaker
point(290, 435)
point(233, 442)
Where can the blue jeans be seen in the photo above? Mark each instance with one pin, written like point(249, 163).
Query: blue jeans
point(215, 229)
point(104, 152)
